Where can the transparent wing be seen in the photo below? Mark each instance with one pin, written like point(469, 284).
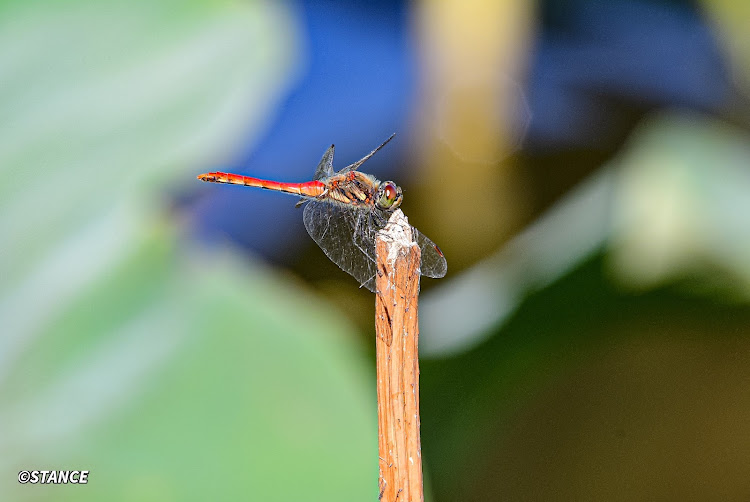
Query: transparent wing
point(355, 166)
point(325, 166)
point(346, 236)
point(433, 262)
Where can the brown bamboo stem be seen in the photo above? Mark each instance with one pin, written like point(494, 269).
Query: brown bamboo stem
point(396, 348)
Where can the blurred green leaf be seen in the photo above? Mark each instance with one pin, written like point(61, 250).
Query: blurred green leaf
point(170, 374)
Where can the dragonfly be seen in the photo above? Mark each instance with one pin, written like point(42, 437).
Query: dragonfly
point(343, 213)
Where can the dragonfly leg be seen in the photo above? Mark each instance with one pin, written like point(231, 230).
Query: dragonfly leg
point(377, 220)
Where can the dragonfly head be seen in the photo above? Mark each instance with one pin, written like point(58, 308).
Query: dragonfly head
point(389, 196)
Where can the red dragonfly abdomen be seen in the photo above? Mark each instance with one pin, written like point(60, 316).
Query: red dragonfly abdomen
point(313, 188)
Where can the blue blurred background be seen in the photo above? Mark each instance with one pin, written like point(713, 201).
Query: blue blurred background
point(585, 167)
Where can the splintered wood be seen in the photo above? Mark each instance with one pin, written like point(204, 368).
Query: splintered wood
point(396, 344)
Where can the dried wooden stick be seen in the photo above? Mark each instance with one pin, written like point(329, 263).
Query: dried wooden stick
point(396, 342)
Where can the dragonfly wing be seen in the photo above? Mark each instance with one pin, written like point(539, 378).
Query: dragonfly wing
point(325, 166)
point(433, 262)
point(355, 166)
point(345, 236)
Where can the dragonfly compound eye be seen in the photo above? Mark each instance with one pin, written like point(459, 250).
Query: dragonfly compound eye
point(389, 195)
